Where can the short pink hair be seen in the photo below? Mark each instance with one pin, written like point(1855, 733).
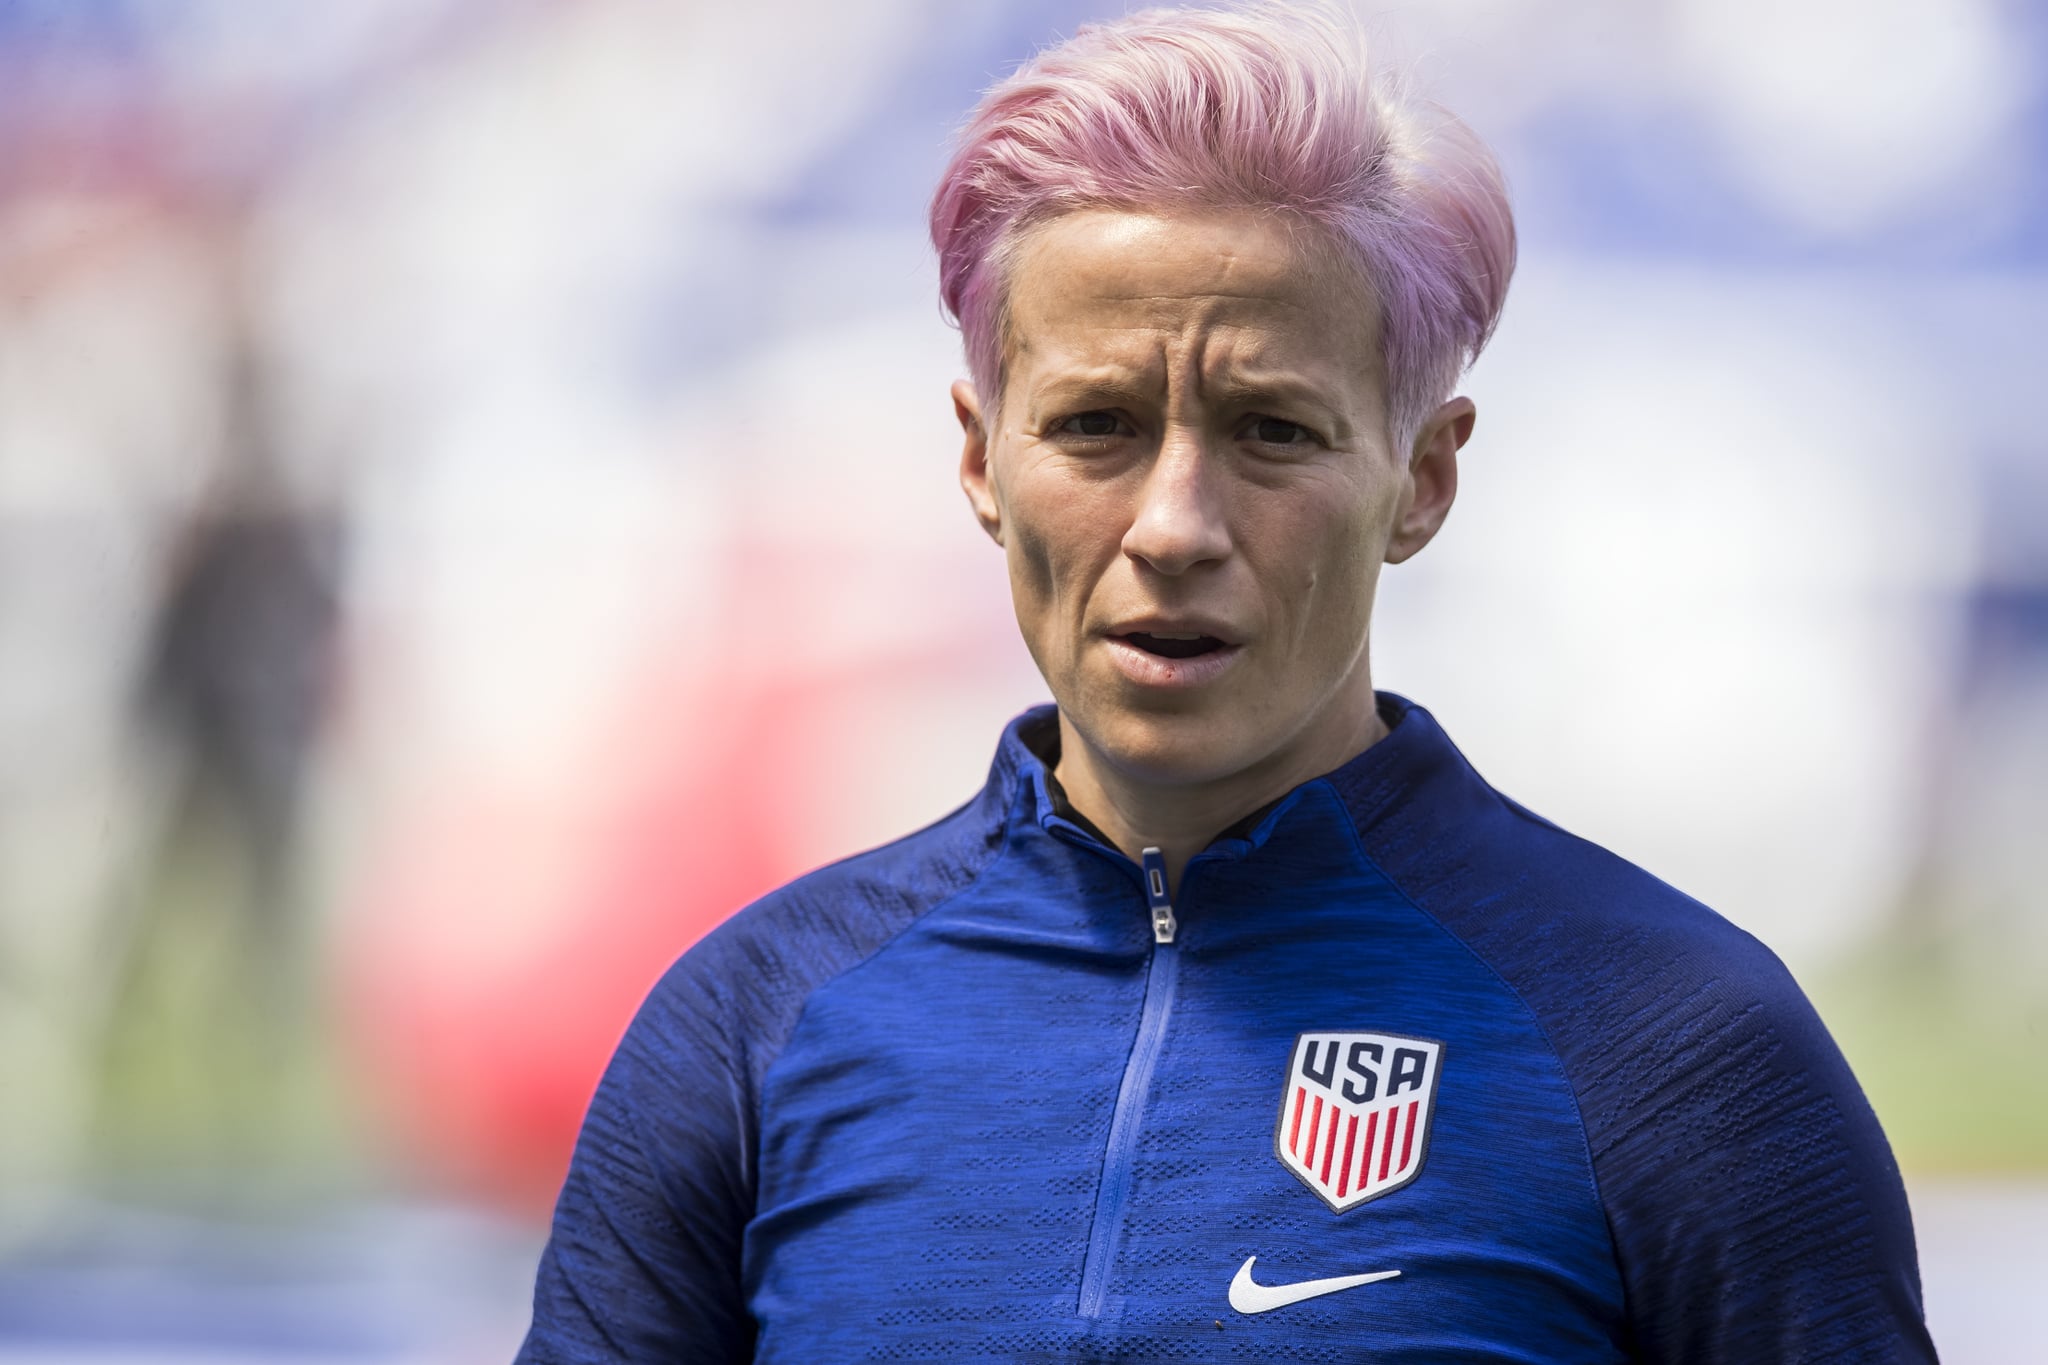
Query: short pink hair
point(1270, 107)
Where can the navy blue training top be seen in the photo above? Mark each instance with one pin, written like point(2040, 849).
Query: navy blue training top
point(1405, 1073)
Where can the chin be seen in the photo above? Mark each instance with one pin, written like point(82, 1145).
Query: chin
point(1184, 749)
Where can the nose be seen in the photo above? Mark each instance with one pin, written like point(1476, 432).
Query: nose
point(1181, 520)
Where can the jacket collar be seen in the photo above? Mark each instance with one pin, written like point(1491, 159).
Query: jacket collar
point(1414, 763)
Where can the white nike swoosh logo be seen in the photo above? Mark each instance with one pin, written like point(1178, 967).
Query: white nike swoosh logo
point(1248, 1296)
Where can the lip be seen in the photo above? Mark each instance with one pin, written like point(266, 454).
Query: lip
point(1155, 671)
point(1158, 672)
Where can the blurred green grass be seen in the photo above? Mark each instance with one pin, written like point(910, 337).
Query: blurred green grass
point(1948, 1032)
point(218, 1079)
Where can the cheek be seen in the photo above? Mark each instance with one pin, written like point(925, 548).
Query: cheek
point(1038, 546)
point(1058, 539)
point(1331, 577)
point(1031, 571)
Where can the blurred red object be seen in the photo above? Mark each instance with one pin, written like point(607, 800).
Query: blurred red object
point(500, 953)
point(499, 948)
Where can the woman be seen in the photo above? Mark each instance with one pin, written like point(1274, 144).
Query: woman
point(1237, 1017)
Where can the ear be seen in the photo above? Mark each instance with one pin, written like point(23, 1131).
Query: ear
point(1432, 477)
point(974, 476)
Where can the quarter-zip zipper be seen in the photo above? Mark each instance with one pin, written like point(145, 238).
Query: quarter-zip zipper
point(1163, 923)
point(1162, 974)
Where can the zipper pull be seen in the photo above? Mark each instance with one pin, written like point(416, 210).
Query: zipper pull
point(1163, 923)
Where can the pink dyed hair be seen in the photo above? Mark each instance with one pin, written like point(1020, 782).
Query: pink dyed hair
point(1268, 107)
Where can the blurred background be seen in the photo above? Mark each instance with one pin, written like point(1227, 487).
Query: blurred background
point(477, 495)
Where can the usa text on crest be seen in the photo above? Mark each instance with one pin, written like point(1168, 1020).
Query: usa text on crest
point(1354, 1119)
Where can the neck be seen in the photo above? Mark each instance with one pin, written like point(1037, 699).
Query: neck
point(1181, 819)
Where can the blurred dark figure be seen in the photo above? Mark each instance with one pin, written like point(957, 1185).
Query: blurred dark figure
point(209, 1027)
point(236, 681)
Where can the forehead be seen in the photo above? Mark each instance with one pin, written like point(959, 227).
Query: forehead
point(1132, 288)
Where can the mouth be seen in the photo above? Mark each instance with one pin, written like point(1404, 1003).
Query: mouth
point(1172, 646)
point(1172, 660)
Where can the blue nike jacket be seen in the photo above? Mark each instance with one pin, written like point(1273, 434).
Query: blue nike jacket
point(1402, 1073)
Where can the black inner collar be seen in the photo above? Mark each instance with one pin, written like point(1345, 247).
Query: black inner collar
point(1042, 738)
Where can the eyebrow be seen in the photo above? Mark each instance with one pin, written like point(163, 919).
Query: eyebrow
point(1097, 387)
point(1285, 393)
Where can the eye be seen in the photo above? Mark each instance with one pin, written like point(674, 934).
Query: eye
point(1097, 425)
point(1278, 431)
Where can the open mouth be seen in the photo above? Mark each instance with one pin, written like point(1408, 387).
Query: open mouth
point(1173, 646)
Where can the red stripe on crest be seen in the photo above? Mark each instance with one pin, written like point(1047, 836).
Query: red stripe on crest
point(1350, 1142)
point(1294, 1135)
point(1372, 1125)
point(1315, 1119)
point(1408, 1138)
point(1387, 1149)
point(1330, 1147)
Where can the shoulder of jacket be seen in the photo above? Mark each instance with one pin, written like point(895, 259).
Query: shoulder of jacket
point(1549, 883)
point(759, 965)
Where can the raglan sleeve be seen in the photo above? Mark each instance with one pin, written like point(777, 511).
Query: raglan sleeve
point(643, 1260)
point(1757, 1210)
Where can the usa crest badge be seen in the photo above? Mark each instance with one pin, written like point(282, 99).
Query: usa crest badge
point(1355, 1117)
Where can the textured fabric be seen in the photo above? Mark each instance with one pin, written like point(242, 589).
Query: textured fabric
point(950, 1100)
